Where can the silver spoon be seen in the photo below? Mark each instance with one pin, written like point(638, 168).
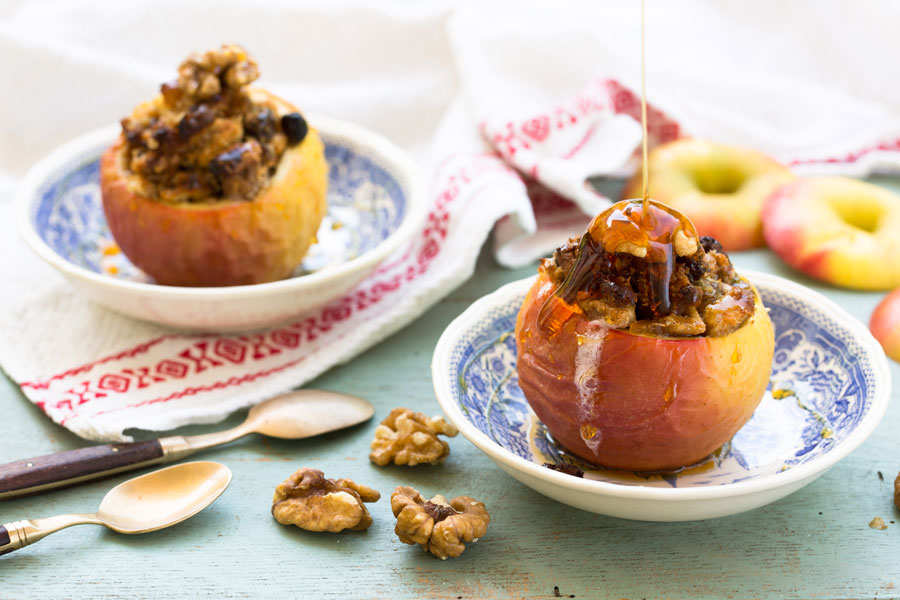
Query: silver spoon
point(146, 503)
point(295, 415)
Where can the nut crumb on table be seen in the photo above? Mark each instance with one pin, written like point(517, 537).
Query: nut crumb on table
point(310, 501)
point(878, 523)
point(440, 527)
point(410, 438)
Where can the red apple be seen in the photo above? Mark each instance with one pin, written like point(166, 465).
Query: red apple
point(885, 324)
point(837, 229)
point(640, 403)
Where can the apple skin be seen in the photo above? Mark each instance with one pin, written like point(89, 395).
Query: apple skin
point(679, 171)
point(640, 403)
point(840, 230)
point(219, 243)
point(885, 324)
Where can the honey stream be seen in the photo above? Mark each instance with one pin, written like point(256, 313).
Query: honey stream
point(641, 227)
point(644, 168)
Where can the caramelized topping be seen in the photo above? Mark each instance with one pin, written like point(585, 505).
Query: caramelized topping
point(640, 265)
point(206, 137)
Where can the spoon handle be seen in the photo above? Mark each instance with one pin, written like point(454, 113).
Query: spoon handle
point(72, 466)
point(19, 534)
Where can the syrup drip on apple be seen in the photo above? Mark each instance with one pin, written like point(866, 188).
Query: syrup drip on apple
point(643, 228)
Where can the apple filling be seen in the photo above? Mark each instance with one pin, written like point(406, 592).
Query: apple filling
point(207, 138)
point(705, 295)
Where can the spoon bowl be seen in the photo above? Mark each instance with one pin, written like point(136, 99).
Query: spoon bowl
point(164, 497)
point(307, 413)
point(140, 505)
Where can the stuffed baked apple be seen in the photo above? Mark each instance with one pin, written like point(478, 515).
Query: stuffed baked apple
point(639, 347)
point(213, 183)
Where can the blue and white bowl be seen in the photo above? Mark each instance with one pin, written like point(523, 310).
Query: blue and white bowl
point(375, 206)
point(828, 390)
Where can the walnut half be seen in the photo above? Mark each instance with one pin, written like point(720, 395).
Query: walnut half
point(410, 438)
point(309, 501)
point(440, 527)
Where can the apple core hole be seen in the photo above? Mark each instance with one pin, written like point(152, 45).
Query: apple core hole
point(859, 213)
point(722, 180)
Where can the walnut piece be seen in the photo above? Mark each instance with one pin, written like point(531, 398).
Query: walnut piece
point(309, 501)
point(878, 523)
point(440, 527)
point(410, 438)
point(684, 244)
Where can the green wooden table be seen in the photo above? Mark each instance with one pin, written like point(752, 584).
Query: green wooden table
point(813, 544)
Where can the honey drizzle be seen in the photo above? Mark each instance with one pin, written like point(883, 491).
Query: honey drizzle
point(641, 223)
point(644, 168)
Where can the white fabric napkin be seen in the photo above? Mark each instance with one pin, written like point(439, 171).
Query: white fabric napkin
point(508, 107)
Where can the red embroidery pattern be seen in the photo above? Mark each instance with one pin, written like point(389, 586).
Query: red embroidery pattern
point(603, 95)
point(850, 157)
point(660, 127)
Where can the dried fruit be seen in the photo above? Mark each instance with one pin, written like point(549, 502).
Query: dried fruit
point(294, 127)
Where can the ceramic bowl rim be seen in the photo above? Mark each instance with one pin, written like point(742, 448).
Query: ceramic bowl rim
point(375, 145)
point(878, 398)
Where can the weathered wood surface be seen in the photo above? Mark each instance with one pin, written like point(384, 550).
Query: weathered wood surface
point(813, 544)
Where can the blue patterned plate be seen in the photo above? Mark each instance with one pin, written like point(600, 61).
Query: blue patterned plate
point(829, 388)
point(374, 207)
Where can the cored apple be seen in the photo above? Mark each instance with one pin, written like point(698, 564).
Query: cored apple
point(841, 230)
point(721, 189)
point(220, 243)
point(640, 403)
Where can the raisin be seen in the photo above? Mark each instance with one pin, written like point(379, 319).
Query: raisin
point(260, 125)
point(196, 120)
point(710, 243)
point(235, 160)
point(294, 127)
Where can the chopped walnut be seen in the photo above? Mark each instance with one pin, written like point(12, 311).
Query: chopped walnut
point(410, 438)
point(684, 244)
point(878, 523)
point(309, 501)
point(621, 288)
point(440, 527)
point(208, 136)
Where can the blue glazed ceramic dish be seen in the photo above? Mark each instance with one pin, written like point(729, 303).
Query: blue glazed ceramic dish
point(828, 390)
point(374, 207)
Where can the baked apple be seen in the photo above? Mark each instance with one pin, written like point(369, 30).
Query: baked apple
point(213, 183)
point(639, 347)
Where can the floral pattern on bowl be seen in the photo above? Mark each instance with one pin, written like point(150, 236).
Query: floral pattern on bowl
point(828, 388)
point(376, 206)
point(365, 205)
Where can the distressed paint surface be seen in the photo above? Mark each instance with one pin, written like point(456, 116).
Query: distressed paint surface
point(813, 544)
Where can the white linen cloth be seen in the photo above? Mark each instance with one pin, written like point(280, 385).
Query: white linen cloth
point(508, 106)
